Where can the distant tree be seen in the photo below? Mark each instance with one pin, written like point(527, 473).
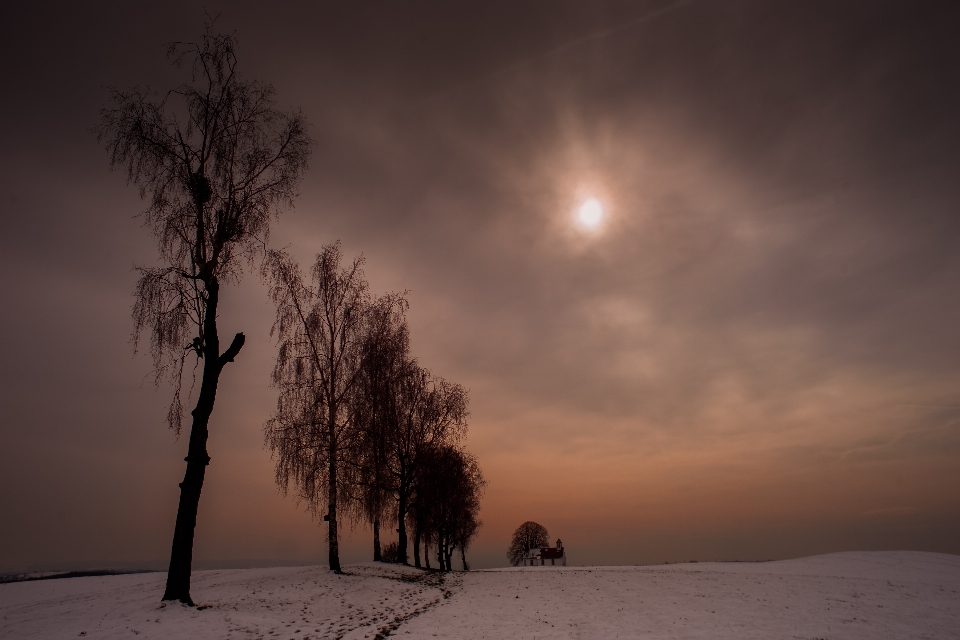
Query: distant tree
point(529, 535)
point(467, 529)
point(467, 522)
point(448, 502)
point(321, 330)
point(217, 161)
point(447, 505)
point(425, 412)
point(391, 553)
point(419, 518)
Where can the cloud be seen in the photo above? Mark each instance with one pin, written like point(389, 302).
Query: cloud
point(763, 335)
point(889, 512)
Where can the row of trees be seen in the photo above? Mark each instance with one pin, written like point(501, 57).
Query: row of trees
point(360, 427)
point(363, 432)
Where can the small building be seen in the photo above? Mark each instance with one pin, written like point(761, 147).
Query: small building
point(545, 557)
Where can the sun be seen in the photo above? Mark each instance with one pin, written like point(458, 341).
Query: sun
point(590, 213)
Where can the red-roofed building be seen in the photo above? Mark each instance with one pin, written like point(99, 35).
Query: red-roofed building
point(545, 557)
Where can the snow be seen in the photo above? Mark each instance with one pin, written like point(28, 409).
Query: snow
point(843, 595)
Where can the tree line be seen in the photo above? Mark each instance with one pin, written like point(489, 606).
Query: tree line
point(362, 431)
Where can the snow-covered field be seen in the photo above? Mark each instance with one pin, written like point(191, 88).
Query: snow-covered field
point(842, 595)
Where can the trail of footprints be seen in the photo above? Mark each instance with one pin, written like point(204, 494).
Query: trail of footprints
point(362, 603)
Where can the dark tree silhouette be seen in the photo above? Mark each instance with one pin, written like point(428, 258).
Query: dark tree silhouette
point(391, 553)
point(419, 518)
point(385, 350)
point(447, 504)
point(426, 411)
point(217, 162)
point(323, 330)
point(529, 535)
point(466, 523)
point(467, 528)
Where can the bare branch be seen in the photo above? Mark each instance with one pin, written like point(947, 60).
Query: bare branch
point(215, 161)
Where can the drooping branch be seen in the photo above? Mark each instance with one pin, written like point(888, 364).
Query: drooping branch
point(215, 161)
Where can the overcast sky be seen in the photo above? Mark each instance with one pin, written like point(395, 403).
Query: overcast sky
point(754, 355)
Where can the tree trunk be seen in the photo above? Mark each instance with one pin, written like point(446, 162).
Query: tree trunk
point(181, 552)
point(416, 544)
point(463, 558)
point(440, 552)
point(426, 552)
point(377, 557)
point(332, 539)
point(402, 526)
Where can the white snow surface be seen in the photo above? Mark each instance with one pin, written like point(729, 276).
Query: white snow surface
point(899, 594)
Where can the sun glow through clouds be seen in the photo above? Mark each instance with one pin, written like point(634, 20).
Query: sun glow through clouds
point(590, 213)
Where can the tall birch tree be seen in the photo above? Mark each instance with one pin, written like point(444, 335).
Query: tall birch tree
point(217, 162)
point(324, 330)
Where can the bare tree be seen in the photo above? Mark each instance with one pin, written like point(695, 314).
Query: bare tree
point(324, 332)
point(529, 535)
point(386, 349)
point(466, 522)
point(420, 518)
point(426, 411)
point(447, 504)
point(467, 528)
point(217, 162)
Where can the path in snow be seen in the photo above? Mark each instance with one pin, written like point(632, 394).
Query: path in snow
point(843, 595)
point(289, 602)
